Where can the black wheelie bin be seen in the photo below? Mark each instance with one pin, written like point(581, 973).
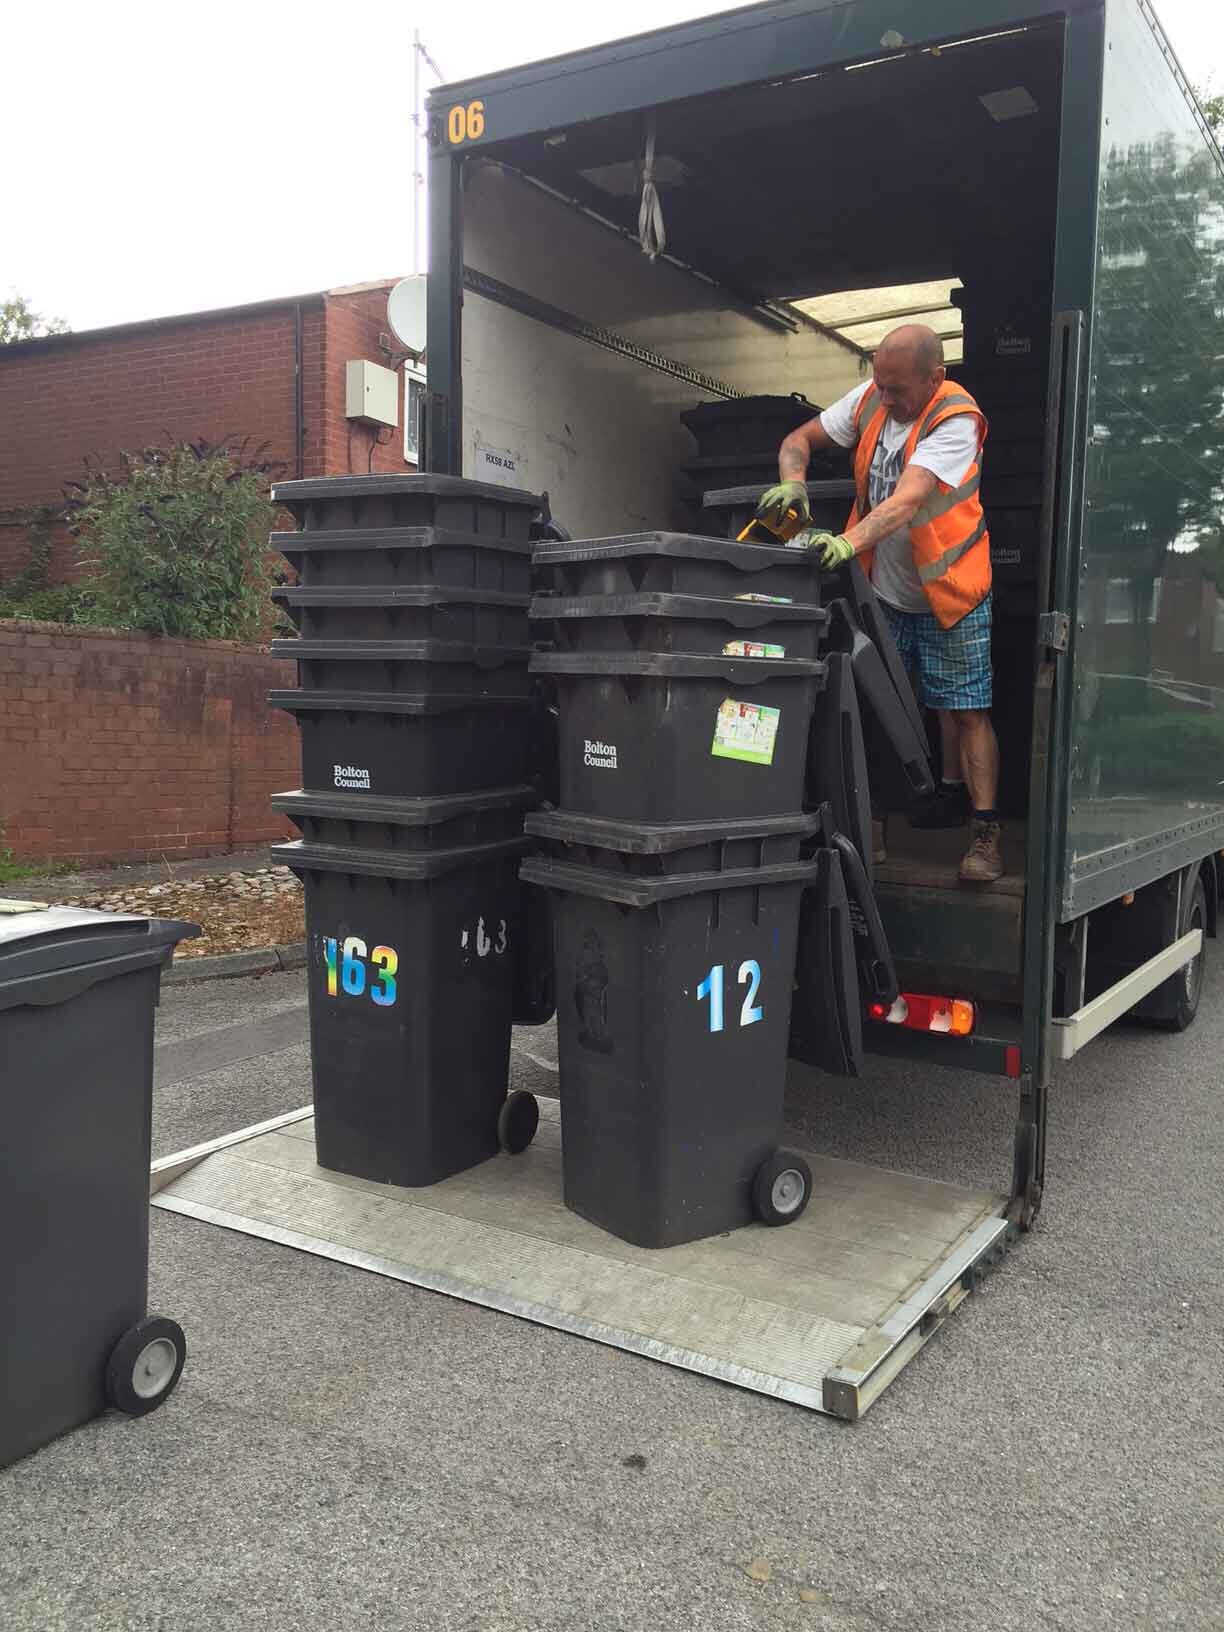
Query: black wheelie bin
point(77, 995)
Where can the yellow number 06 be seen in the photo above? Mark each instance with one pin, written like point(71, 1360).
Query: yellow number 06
point(465, 124)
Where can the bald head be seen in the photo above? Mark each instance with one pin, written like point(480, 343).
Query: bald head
point(917, 341)
point(909, 369)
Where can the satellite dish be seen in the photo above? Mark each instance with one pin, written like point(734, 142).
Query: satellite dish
point(406, 312)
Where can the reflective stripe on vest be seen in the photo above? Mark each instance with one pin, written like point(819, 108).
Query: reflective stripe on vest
point(949, 558)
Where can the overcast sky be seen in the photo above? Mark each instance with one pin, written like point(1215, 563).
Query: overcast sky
point(162, 158)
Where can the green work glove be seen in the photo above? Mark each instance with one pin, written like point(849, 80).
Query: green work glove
point(835, 549)
point(776, 501)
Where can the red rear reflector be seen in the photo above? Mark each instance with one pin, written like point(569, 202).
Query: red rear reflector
point(920, 1012)
point(1011, 1060)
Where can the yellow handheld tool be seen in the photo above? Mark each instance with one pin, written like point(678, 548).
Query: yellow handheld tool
point(762, 532)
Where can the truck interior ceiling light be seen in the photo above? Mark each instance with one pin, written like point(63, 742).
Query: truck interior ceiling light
point(918, 1011)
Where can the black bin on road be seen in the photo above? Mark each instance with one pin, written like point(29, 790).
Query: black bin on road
point(673, 1006)
point(412, 970)
point(77, 995)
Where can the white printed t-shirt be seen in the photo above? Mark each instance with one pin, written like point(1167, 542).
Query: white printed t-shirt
point(947, 453)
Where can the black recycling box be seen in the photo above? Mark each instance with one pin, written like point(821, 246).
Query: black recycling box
point(901, 739)
point(411, 971)
point(407, 745)
point(733, 470)
point(1015, 544)
point(673, 1009)
point(412, 666)
point(411, 500)
point(364, 821)
point(678, 564)
point(78, 990)
point(730, 509)
point(748, 625)
point(407, 558)
point(837, 758)
point(826, 1025)
point(665, 849)
point(666, 738)
point(871, 620)
point(469, 617)
point(746, 423)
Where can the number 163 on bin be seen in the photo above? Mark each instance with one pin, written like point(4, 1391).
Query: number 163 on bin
point(348, 972)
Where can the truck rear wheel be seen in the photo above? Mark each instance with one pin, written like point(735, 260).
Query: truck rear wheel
point(1187, 985)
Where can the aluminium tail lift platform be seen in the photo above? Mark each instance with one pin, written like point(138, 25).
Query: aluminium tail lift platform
point(823, 1314)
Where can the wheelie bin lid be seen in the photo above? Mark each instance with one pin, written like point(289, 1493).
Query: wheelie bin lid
point(396, 595)
point(706, 413)
point(740, 671)
point(393, 538)
point(413, 865)
point(425, 812)
point(602, 885)
point(403, 651)
point(690, 546)
point(444, 487)
point(661, 838)
point(736, 611)
point(840, 487)
point(388, 702)
point(36, 939)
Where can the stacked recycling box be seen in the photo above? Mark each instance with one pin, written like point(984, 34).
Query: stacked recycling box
point(1006, 366)
point(738, 440)
point(414, 707)
point(686, 671)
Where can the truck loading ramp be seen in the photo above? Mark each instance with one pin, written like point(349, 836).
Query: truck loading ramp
point(822, 1314)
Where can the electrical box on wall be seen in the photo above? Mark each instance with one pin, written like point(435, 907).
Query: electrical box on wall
point(371, 392)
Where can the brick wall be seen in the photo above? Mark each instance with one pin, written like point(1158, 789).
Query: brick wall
point(231, 374)
point(214, 374)
point(354, 321)
point(115, 746)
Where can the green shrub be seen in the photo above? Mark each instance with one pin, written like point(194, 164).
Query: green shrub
point(175, 541)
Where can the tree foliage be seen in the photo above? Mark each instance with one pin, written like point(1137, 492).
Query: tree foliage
point(19, 321)
point(176, 539)
point(1159, 436)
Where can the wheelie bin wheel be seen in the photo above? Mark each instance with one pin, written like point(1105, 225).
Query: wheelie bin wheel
point(517, 1121)
point(145, 1365)
point(781, 1188)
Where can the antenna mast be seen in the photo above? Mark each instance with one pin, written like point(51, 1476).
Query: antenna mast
point(420, 58)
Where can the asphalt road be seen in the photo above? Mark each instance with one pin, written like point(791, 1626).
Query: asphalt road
point(344, 1452)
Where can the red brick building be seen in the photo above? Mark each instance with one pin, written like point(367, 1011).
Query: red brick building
point(117, 745)
point(274, 371)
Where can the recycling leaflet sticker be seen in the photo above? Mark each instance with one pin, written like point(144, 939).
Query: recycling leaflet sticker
point(745, 731)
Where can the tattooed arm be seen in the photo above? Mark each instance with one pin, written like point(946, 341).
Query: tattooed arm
point(912, 491)
point(799, 447)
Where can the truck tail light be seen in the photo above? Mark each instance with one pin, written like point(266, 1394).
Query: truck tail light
point(919, 1011)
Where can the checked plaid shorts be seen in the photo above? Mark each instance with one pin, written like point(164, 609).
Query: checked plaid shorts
point(952, 665)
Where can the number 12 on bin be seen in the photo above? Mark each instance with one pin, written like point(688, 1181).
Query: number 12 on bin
point(347, 972)
point(712, 988)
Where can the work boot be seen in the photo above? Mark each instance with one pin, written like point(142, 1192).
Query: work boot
point(945, 806)
point(879, 850)
point(983, 861)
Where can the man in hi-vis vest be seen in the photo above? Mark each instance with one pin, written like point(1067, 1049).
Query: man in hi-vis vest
point(918, 528)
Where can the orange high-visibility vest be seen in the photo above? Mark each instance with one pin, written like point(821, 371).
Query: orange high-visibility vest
point(948, 534)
